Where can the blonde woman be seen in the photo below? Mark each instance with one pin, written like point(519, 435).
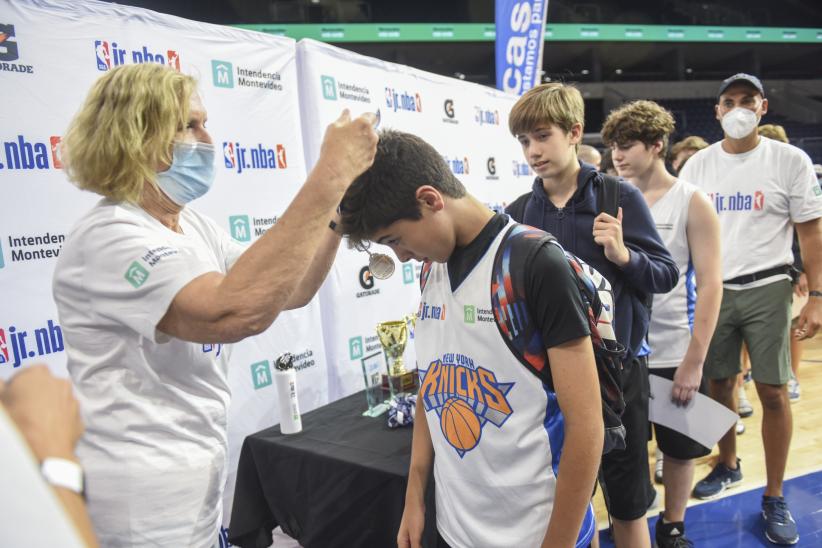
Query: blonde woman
point(148, 291)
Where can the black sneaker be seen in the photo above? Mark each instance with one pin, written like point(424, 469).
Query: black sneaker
point(671, 535)
point(780, 528)
point(720, 478)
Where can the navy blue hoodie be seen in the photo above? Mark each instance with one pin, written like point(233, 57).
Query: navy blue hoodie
point(651, 269)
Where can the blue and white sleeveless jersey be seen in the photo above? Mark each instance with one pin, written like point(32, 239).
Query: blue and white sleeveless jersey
point(496, 429)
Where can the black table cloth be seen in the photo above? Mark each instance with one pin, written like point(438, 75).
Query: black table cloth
point(339, 482)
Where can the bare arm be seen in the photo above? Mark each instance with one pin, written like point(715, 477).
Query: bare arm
point(317, 272)
point(422, 458)
point(810, 242)
point(46, 413)
point(577, 388)
point(704, 245)
point(247, 300)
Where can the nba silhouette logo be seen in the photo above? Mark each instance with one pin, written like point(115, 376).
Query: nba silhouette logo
point(4, 349)
point(759, 200)
point(55, 151)
point(281, 161)
point(228, 155)
point(173, 59)
point(240, 228)
point(101, 51)
point(329, 86)
point(2, 261)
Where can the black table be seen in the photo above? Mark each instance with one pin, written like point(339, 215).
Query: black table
point(339, 482)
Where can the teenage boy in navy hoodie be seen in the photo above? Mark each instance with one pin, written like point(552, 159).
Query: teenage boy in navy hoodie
point(548, 121)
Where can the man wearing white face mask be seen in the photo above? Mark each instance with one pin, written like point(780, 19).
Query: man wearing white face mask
point(760, 189)
point(149, 291)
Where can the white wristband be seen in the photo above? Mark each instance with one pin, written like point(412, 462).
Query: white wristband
point(63, 473)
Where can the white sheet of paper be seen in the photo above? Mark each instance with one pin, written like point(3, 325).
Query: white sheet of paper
point(703, 419)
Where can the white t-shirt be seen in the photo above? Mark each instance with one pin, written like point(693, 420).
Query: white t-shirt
point(757, 195)
point(669, 332)
point(497, 431)
point(155, 444)
point(31, 513)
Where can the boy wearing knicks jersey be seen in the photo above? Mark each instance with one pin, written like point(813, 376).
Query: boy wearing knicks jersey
point(514, 460)
point(681, 324)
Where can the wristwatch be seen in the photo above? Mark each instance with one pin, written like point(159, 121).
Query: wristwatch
point(814, 293)
point(64, 473)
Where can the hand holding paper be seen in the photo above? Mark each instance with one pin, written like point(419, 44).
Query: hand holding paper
point(702, 419)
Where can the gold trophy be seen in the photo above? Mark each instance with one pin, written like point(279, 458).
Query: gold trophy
point(394, 337)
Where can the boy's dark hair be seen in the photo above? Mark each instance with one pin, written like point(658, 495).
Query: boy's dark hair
point(386, 192)
point(643, 121)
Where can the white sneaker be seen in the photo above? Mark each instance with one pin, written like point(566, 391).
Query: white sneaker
point(744, 407)
point(740, 428)
point(793, 390)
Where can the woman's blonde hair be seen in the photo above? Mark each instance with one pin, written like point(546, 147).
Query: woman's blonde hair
point(125, 128)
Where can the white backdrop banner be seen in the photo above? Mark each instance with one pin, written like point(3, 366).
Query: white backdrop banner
point(248, 82)
point(466, 122)
point(269, 101)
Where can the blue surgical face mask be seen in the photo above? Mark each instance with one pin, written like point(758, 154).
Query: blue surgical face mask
point(191, 173)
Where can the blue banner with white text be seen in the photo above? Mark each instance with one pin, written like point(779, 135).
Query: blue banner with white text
point(520, 37)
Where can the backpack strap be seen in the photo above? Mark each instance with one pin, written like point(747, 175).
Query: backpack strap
point(516, 209)
point(608, 195)
point(424, 273)
point(508, 297)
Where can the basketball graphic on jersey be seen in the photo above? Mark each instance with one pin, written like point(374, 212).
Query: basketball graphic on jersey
point(460, 425)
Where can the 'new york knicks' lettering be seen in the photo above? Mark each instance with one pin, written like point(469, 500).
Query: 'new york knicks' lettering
point(465, 397)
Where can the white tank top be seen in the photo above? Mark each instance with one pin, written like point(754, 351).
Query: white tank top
point(672, 314)
point(497, 432)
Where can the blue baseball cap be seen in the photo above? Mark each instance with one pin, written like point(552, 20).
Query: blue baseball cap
point(741, 77)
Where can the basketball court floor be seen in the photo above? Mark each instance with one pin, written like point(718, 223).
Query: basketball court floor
point(734, 519)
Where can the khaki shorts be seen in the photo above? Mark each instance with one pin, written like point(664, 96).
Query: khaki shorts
point(761, 317)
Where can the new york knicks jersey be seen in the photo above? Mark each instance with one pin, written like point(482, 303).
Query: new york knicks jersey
point(672, 316)
point(496, 430)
